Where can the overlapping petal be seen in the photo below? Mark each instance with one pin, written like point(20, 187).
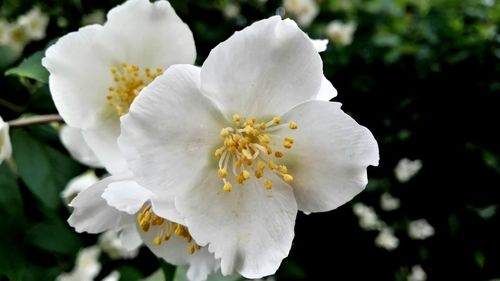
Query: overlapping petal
point(330, 155)
point(72, 139)
point(263, 70)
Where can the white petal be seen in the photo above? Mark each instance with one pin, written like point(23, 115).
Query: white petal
point(148, 34)
point(78, 184)
point(175, 252)
point(5, 144)
point(326, 91)
point(79, 77)
point(130, 237)
point(320, 44)
point(330, 155)
point(103, 141)
point(126, 196)
point(165, 206)
point(74, 142)
point(91, 213)
point(250, 228)
point(169, 133)
point(263, 70)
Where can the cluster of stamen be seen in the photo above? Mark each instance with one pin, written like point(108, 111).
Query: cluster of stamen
point(251, 149)
point(165, 229)
point(128, 81)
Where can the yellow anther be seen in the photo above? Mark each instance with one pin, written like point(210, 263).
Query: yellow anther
point(287, 144)
point(245, 174)
point(229, 142)
point(114, 70)
point(288, 178)
point(293, 125)
point(145, 226)
point(271, 165)
point(156, 220)
point(265, 139)
point(228, 187)
point(289, 139)
point(236, 118)
point(268, 184)
point(262, 125)
point(247, 153)
point(179, 230)
point(222, 173)
point(258, 174)
point(159, 70)
point(261, 165)
point(283, 169)
point(268, 149)
point(157, 240)
point(224, 132)
point(166, 237)
point(240, 179)
point(278, 154)
point(276, 120)
point(218, 152)
point(191, 249)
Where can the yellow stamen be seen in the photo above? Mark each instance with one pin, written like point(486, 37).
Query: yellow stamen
point(222, 173)
point(288, 178)
point(293, 125)
point(268, 184)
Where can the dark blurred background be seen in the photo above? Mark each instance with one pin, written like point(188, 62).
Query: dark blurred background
point(422, 75)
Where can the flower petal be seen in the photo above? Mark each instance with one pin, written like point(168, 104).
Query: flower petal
point(79, 76)
point(326, 91)
point(103, 141)
point(91, 213)
point(263, 70)
point(126, 196)
point(330, 155)
point(169, 133)
point(130, 237)
point(72, 139)
point(250, 228)
point(175, 252)
point(148, 34)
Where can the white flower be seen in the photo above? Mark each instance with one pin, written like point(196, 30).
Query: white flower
point(73, 141)
point(368, 219)
point(119, 204)
point(5, 145)
point(96, 72)
point(112, 245)
point(4, 28)
point(113, 276)
point(246, 145)
point(407, 169)
point(78, 184)
point(389, 202)
point(231, 10)
point(417, 274)
point(87, 266)
point(340, 33)
point(320, 44)
point(386, 239)
point(420, 229)
point(15, 37)
point(304, 11)
point(95, 17)
point(34, 23)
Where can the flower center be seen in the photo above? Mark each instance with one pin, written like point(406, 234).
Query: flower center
point(165, 229)
point(128, 81)
point(251, 148)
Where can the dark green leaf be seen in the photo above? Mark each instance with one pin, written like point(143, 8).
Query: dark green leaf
point(12, 221)
point(32, 68)
point(44, 169)
point(180, 275)
point(54, 237)
point(168, 270)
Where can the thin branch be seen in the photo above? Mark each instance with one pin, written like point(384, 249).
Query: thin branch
point(11, 106)
point(35, 120)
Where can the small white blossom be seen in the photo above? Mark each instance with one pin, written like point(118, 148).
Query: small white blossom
point(34, 23)
point(386, 239)
point(303, 11)
point(388, 202)
point(368, 219)
point(95, 17)
point(5, 145)
point(16, 37)
point(420, 229)
point(231, 10)
point(4, 27)
point(417, 274)
point(78, 184)
point(112, 245)
point(406, 169)
point(340, 33)
point(87, 266)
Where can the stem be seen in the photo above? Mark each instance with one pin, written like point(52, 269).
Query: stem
point(35, 120)
point(11, 106)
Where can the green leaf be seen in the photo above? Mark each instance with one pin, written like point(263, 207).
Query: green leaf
point(32, 68)
point(12, 221)
point(156, 276)
point(54, 237)
point(129, 273)
point(44, 169)
point(7, 56)
point(168, 270)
